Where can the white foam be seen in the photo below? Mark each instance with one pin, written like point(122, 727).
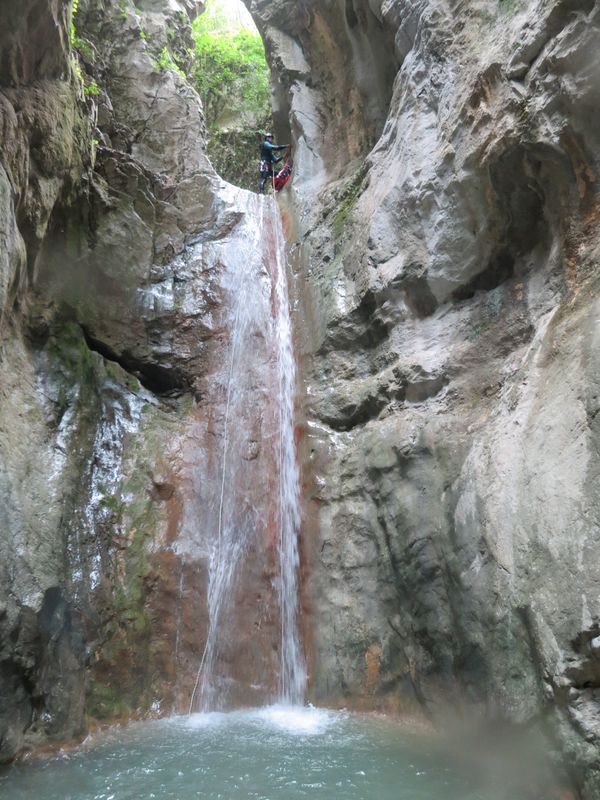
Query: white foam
point(297, 720)
point(294, 720)
point(210, 719)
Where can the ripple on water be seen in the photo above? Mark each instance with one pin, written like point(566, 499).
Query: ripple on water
point(274, 753)
point(202, 721)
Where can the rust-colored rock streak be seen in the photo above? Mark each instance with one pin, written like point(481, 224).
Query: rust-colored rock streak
point(242, 515)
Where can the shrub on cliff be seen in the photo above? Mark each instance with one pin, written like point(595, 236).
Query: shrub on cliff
point(230, 72)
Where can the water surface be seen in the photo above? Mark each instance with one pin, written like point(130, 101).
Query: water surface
point(276, 753)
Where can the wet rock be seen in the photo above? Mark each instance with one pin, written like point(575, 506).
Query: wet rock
point(446, 196)
point(450, 279)
point(335, 104)
point(118, 238)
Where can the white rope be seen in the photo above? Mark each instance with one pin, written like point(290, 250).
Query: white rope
point(223, 473)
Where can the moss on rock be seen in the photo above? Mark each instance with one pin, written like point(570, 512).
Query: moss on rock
point(235, 155)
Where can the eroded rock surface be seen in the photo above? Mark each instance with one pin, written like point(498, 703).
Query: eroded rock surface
point(447, 199)
point(117, 239)
point(446, 203)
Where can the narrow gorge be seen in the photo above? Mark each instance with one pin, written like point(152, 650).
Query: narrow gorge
point(420, 431)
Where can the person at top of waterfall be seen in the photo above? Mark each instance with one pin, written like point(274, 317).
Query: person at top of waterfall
point(268, 159)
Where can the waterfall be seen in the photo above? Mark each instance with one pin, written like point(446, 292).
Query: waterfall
point(292, 671)
point(257, 490)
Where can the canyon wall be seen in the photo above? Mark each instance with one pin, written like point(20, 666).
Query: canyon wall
point(117, 245)
point(446, 200)
point(444, 204)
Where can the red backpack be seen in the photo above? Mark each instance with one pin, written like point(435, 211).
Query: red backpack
point(282, 177)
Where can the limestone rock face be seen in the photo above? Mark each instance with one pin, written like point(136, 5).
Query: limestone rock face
point(333, 67)
point(43, 151)
point(445, 200)
point(116, 240)
point(446, 193)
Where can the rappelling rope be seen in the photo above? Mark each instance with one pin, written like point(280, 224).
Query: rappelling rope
point(235, 339)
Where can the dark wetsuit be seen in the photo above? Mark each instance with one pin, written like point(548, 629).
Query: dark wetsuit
point(267, 159)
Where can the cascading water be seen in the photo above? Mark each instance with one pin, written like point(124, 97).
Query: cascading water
point(292, 671)
point(258, 488)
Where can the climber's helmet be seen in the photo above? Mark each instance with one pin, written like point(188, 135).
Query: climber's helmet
point(268, 135)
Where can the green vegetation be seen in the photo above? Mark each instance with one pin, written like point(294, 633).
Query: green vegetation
point(71, 356)
point(71, 366)
point(104, 702)
point(346, 201)
point(72, 31)
point(83, 46)
point(231, 75)
point(91, 88)
point(166, 61)
point(83, 50)
point(230, 66)
point(234, 154)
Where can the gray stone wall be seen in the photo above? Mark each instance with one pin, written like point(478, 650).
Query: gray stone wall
point(446, 202)
point(108, 309)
